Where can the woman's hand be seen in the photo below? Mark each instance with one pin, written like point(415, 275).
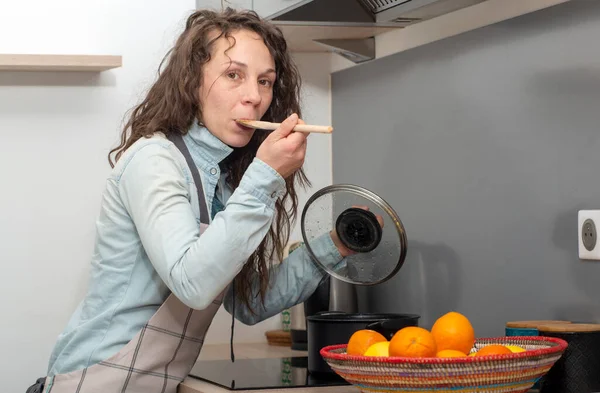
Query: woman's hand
point(344, 251)
point(284, 150)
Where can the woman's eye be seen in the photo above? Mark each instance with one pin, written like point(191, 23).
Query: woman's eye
point(266, 82)
point(233, 75)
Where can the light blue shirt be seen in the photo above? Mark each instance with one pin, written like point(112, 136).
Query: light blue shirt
point(148, 245)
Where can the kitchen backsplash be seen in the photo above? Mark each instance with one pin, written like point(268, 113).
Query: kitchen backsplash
point(487, 144)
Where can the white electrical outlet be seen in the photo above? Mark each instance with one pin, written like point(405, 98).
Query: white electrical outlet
point(588, 225)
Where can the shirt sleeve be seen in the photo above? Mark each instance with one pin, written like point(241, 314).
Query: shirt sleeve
point(196, 268)
point(291, 282)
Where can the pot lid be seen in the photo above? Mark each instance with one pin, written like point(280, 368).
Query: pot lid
point(377, 252)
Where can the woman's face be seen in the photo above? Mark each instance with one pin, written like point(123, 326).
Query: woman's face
point(236, 85)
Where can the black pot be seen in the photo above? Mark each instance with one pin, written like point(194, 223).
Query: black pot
point(331, 328)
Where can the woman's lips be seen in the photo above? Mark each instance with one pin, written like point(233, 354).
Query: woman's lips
point(243, 127)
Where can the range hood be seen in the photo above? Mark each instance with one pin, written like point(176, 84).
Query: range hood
point(363, 13)
point(384, 13)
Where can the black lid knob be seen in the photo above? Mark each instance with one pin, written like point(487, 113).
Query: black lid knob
point(358, 230)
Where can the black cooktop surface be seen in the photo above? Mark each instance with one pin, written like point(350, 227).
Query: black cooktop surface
point(275, 373)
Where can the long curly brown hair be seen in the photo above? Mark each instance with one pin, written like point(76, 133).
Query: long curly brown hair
point(173, 103)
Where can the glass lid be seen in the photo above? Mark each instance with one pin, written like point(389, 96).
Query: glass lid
point(355, 214)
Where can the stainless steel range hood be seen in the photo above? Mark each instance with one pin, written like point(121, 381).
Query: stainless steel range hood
point(385, 13)
point(366, 13)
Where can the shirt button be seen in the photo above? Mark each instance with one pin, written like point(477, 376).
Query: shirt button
point(213, 171)
point(273, 194)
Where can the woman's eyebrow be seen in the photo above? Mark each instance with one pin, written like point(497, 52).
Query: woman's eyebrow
point(244, 65)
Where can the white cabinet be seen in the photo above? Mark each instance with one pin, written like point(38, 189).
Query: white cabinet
point(266, 8)
point(263, 8)
point(216, 4)
point(239, 4)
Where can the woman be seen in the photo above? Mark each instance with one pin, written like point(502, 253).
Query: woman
point(195, 208)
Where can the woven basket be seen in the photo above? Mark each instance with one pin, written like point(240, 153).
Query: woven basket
point(279, 338)
point(515, 372)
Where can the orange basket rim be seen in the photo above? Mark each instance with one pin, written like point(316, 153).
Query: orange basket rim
point(561, 346)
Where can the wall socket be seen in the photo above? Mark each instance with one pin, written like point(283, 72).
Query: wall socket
point(588, 224)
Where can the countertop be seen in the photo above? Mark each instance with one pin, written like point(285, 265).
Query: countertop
point(255, 351)
point(252, 351)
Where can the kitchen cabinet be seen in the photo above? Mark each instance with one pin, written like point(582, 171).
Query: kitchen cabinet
point(217, 4)
point(266, 8)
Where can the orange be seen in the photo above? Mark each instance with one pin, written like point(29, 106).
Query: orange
point(493, 349)
point(450, 353)
point(361, 340)
point(453, 331)
point(413, 341)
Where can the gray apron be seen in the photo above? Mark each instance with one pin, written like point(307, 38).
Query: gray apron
point(162, 353)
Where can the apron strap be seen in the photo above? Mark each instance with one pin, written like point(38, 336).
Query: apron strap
point(177, 139)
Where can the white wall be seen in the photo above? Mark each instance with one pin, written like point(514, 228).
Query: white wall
point(56, 129)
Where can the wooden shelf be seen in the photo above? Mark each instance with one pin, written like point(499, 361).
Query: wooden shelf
point(78, 63)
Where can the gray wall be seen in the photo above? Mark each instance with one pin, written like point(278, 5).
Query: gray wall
point(486, 144)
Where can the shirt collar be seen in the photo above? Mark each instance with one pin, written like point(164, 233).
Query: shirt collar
point(206, 149)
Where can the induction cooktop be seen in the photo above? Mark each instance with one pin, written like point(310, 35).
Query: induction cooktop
point(273, 373)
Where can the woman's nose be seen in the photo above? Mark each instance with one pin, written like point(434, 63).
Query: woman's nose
point(252, 94)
